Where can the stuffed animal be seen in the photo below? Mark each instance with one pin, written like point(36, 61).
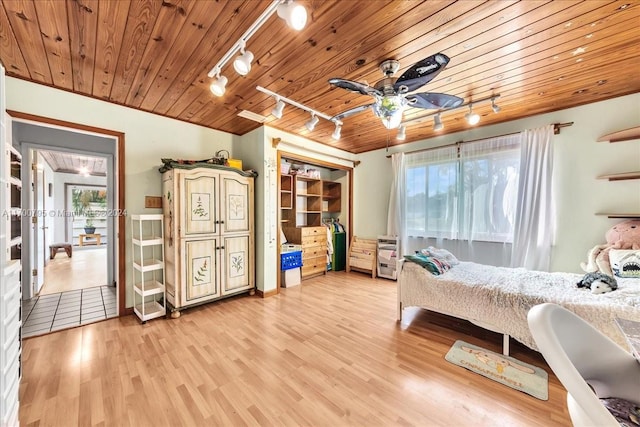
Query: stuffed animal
point(599, 283)
point(625, 235)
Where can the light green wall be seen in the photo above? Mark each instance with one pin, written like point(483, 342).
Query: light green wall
point(578, 160)
point(148, 137)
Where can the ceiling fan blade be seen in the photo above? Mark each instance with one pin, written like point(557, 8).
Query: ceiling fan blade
point(422, 72)
point(355, 86)
point(352, 111)
point(433, 101)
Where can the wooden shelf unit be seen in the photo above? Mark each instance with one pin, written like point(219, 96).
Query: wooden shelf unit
point(308, 201)
point(623, 135)
point(286, 199)
point(331, 197)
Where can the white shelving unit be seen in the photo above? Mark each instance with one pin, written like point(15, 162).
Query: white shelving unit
point(149, 300)
point(387, 257)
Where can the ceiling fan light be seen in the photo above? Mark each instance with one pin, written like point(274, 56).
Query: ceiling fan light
point(402, 133)
point(294, 14)
point(277, 110)
point(336, 133)
point(392, 121)
point(218, 87)
point(437, 123)
point(311, 124)
point(242, 63)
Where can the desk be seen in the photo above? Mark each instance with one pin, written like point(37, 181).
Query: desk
point(81, 241)
point(631, 331)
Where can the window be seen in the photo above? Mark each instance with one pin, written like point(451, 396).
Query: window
point(468, 193)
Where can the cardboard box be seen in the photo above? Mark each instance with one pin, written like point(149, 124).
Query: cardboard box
point(290, 278)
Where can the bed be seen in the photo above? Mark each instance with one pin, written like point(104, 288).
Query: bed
point(499, 298)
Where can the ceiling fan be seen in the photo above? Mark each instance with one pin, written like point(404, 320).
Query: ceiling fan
point(392, 96)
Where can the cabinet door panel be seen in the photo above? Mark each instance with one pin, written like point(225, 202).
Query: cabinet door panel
point(200, 210)
point(202, 271)
point(238, 272)
point(234, 209)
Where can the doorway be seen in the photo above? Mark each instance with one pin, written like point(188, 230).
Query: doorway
point(42, 134)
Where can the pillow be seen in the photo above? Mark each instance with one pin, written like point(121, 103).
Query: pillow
point(434, 265)
point(441, 254)
point(625, 262)
point(625, 412)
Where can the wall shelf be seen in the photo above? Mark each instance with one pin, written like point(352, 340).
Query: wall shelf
point(621, 176)
point(622, 135)
point(620, 215)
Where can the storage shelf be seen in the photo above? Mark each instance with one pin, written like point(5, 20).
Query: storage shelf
point(149, 287)
point(622, 135)
point(149, 264)
point(621, 176)
point(308, 195)
point(150, 310)
point(619, 215)
point(148, 241)
point(15, 181)
point(15, 241)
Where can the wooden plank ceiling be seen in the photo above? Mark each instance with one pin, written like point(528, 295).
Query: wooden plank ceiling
point(153, 55)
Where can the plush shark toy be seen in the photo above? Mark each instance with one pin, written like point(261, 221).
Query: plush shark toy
point(599, 283)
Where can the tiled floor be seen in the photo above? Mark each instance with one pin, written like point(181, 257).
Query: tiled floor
point(49, 313)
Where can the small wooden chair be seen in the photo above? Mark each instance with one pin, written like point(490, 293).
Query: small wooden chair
point(55, 247)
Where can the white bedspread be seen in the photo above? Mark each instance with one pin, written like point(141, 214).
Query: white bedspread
point(499, 298)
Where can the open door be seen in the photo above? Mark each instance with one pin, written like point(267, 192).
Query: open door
point(38, 226)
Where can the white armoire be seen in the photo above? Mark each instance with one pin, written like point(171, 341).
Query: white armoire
point(209, 233)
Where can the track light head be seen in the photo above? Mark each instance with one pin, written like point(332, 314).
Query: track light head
point(218, 87)
point(277, 110)
point(336, 133)
point(293, 13)
point(494, 106)
point(242, 63)
point(311, 124)
point(472, 118)
point(437, 123)
point(402, 133)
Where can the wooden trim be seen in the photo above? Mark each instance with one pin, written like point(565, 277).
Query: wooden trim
point(120, 185)
point(268, 294)
point(276, 141)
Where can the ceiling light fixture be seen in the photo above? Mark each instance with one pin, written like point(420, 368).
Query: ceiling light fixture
point(311, 124)
point(218, 87)
point(242, 63)
point(472, 118)
point(315, 115)
point(402, 133)
point(437, 123)
point(295, 16)
point(277, 110)
point(336, 133)
point(494, 106)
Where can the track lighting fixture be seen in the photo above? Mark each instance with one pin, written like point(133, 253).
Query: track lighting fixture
point(277, 110)
point(242, 63)
point(218, 87)
point(311, 124)
point(336, 133)
point(402, 133)
point(494, 107)
point(315, 115)
point(472, 118)
point(293, 13)
point(437, 123)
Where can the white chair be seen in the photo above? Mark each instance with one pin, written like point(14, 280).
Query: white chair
point(585, 361)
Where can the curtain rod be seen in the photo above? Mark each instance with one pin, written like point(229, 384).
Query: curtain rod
point(556, 131)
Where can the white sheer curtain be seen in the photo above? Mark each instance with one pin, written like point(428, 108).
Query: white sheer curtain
point(489, 188)
point(397, 200)
point(535, 211)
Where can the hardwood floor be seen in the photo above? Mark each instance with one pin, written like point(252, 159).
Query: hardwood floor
point(87, 268)
point(326, 353)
